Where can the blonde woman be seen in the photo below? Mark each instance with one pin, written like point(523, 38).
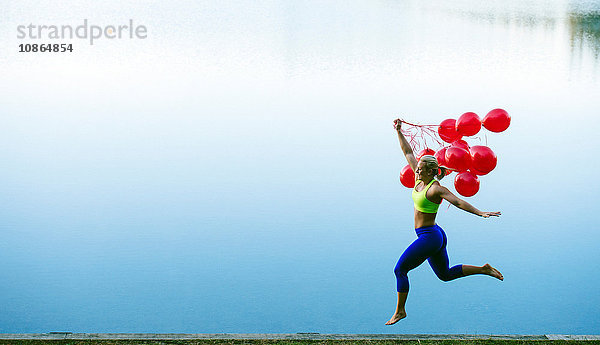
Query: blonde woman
point(431, 239)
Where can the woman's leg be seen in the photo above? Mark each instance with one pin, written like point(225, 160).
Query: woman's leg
point(400, 312)
point(440, 264)
point(421, 248)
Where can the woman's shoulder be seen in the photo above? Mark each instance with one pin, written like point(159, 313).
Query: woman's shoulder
point(436, 190)
point(436, 186)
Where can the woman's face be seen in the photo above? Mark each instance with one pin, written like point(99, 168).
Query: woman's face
point(422, 171)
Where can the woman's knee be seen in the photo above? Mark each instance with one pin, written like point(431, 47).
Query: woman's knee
point(399, 270)
point(444, 276)
point(450, 273)
point(402, 284)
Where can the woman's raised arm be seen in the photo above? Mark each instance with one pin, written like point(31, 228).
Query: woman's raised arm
point(406, 149)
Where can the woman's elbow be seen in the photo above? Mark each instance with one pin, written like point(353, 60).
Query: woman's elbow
point(460, 204)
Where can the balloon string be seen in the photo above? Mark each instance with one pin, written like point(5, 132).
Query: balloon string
point(414, 124)
point(426, 133)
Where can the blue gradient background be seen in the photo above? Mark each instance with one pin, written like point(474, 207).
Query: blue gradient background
point(237, 171)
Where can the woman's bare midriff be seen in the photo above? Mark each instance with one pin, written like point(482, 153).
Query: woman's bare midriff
point(424, 219)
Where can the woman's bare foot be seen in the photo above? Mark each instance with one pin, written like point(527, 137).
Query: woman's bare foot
point(490, 271)
point(397, 317)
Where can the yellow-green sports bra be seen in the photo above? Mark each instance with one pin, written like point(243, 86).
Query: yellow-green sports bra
point(421, 202)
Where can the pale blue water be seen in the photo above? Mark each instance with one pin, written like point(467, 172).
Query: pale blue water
point(237, 171)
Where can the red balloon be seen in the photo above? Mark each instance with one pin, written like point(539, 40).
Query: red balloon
point(458, 158)
point(496, 120)
point(424, 152)
point(447, 131)
point(407, 177)
point(440, 156)
point(466, 183)
point(461, 143)
point(468, 124)
point(483, 160)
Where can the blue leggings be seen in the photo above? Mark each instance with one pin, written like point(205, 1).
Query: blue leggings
point(431, 245)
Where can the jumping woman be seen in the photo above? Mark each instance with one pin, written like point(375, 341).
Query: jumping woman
point(431, 239)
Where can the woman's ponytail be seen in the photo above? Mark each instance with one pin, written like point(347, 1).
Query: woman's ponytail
point(441, 174)
point(432, 163)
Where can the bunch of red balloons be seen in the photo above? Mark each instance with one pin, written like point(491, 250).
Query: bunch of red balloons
point(468, 161)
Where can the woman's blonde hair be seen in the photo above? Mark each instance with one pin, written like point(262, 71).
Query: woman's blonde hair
point(432, 164)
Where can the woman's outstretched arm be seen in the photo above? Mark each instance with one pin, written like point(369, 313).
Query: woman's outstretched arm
point(460, 203)
point(406, 149)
